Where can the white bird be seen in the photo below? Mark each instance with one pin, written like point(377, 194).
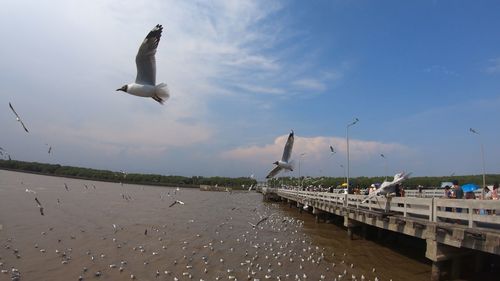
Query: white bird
point(145, 81)
point(18, 118)
point(388, 187)
point(30, 191)
point(176, 202)
point(284, 163)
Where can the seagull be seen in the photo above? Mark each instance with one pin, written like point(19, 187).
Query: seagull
point(176, 202)
point(30, 191)
point(473, 131)
point(50, 148)
point(283, 163)
point(39, 206)
point(261, 220)
point(145, 81)
point(388, 187)
point(18, 118)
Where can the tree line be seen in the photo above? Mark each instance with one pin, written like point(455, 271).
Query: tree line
point(196, 181)
point(133, 178)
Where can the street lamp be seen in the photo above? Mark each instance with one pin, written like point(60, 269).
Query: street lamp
point(300, 158)
point(342, 166)
point(482, 157)
point(385, 160)
point(347, 139)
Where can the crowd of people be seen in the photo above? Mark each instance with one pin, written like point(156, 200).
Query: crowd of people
point(456, 192)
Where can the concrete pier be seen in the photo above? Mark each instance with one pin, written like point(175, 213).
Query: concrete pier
point(424, 218)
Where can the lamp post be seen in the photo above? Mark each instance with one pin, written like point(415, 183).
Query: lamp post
point(482, 158)
point(300, 158)
point(342, 166)
point(347, 139)
point(385, 160)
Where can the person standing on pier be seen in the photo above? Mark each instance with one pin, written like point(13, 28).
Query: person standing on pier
point(494, 192)
point(458, 193)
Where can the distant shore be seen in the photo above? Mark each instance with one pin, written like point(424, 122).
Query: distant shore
point(121, 177)
point(234, 183)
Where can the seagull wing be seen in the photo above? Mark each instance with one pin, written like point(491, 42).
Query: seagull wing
point(175, 202)
point(274, 172)
point(18, 118)
point(13, 110)
point(23, 126)
point(145, 59)
point(287, 152)
point(263, 219)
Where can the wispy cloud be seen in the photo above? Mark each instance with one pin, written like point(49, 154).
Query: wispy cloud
point(494, 66)
point(440, 69)
point(310, 84)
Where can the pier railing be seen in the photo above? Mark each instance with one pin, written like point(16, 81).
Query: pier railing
point(467, 212)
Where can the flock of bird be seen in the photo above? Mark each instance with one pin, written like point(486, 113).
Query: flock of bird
point(249, 241)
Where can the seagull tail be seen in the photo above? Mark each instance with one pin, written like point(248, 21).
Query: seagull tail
point(161, 93)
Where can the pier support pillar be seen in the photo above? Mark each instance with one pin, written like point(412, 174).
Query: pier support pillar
point(349, 232)
point(318, 213)
point(364, 231)
point(479, 262)
point(436, 270)
point(455, 268)
point(438, 253)
point(350, 224)
point(380, 233)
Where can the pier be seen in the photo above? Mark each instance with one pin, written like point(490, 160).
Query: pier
point(450, 235)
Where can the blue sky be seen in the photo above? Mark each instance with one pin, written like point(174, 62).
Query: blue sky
point(242, 74)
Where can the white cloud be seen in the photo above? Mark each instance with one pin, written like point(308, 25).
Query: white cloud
point(316, 149)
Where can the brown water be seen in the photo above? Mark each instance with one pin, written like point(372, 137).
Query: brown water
point(207, 238)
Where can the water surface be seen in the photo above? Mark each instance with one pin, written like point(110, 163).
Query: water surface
point(209, 237)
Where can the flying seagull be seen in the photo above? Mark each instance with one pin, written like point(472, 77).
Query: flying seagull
point(176, 202)
point(39, 206)
point(388, 187)
point(283, 164)
point(260, 221)
point(18, 118)
point(473, 131)
point(145, 81)
point(332, 150)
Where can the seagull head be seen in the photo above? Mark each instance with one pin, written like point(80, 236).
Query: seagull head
point(124, 88)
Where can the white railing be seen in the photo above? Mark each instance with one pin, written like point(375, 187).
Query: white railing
point(472, 213)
